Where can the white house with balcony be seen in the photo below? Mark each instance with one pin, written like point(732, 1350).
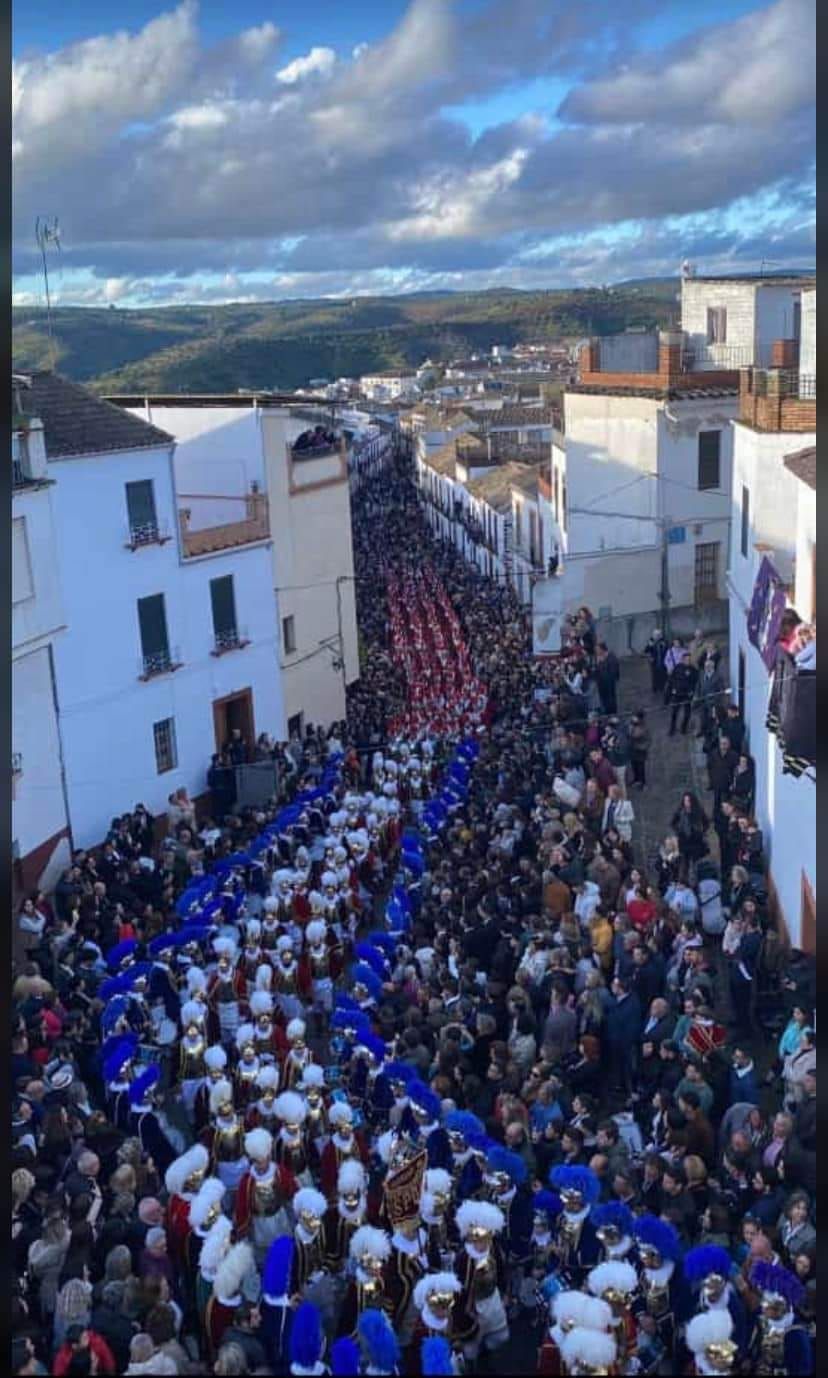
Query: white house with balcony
point(169, 645)
point(239, 454)
point(390, 384)
point(774, 531)
point(647, 460)
point(40, 824)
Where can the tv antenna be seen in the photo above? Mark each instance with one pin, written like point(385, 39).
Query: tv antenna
point(47, 234)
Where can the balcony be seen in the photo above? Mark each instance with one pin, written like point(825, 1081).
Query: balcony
point(777, 399)
point(231, 639)
point(164, 662)
point(700, 357)
point(211, 536)
point(140, 534)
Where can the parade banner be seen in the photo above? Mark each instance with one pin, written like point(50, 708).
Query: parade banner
point(547, 614)
point(403, 1189)
point(765, 613)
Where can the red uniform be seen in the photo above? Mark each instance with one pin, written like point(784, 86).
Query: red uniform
point(284, 1183)
point(217, 1318)
point(178, 1225)
point(333, 1158)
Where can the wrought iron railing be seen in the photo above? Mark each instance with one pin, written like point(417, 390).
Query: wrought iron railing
point(719, 356)
point(229, 639)
point(161, 662)
point(147, 533)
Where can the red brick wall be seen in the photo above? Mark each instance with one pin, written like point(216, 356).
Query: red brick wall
point(775, 413)
point(784, 354)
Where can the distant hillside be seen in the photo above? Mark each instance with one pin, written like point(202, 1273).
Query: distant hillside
point(285, 344)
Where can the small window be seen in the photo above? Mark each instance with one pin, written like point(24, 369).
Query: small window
point(166, 751)
point(143, 520)
point(716, 324)
point(22, 582)
point(745, 542)
point(223, 601)
point(296, 723)
point(707, 571)
point(155, 643)
point(289, 635)
point(709, 459)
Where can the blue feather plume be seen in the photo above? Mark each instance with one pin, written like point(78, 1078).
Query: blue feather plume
point(436, 1357)
point(379, 1339)
point(306, 1336)
point(277, 1266)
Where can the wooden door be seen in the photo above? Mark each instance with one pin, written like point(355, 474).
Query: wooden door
point(235, 711)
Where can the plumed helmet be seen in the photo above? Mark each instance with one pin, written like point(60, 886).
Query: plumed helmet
point(221, 1092)
point(264, 976)
point(612, 1276)
point(546, 1203)
point(590, 1348)
point(340, 1113)
point(290, 1108)
point(369, 1240)
point(196, 979)
point(435, 1356)
point(232, 1270)
point(650, 1231)
point(308, 1199)
point(777, 1282)
point(511, 1165)
point(295, 1029)
point(267, 1077)
point(141, 1086)
point(245, 1034)
point(479, 1215)
point(209, 1195)
point(316, 932)
point(215, 1246)
point(346, 1359)
point(261, 1003)
point(377, 1335)
point(614, 1215)
point(277, 1267)
point(194, 1160)
point(312, 1075)
point(701, 1262)
point(576, 1179)
point(435, 1282)
point(424, 1098)
point(192, 1012)
point(709, 1327)
point(350, 1179)
point(258, 1143)
point(215, 1058)
point(306, 1340)
point(464, 1123)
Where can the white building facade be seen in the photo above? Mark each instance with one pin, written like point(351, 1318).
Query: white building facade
point(774, 519)
point(169, 644)
point(41, 843)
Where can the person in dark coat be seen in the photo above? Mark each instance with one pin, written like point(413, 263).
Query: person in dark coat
point(681, 688)
point(623, 1033)
point(607, 673)
point(108, 1320)
point(743, 972)
point(721, 768)
point(655, 651)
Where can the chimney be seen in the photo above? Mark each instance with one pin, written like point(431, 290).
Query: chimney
point(589, 357)
point(670, 346)
point(784, 354)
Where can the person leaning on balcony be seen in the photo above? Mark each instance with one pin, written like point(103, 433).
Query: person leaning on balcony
point(181, 809)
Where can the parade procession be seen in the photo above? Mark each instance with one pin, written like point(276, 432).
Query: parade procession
point(358, 1108)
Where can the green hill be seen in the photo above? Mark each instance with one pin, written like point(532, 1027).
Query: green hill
point(284, 344)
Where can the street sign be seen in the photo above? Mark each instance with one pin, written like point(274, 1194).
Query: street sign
point(676, 535)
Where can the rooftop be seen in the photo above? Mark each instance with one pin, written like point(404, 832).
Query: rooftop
point(76, 422)
point(663, 394)
point(442, 460)
point(803, 463)
point(495, 488)
point(769, 279)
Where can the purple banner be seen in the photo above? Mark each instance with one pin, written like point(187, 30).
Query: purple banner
point(765, 613)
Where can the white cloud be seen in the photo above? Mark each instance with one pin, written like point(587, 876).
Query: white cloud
point(256, 44)
point(318, 62)
point(457, 207)
point(207, 116)
point(116, 288)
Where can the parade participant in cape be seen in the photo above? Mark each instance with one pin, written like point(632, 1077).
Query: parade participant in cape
point(264, 1195)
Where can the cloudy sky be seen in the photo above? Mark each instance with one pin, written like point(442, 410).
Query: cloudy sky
point(217, 152)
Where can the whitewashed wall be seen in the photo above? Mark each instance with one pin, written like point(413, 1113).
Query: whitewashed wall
point(38, 807)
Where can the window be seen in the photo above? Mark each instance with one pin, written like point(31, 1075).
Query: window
point(22, 582)
point(558, 496)
point(166, 751)
point(716, 324)
point(143, 521)
point(709, 453)
point(155, 644)
point(296, 723)
point(518, 526)
point(745, 520)
point(533, 537)
point(289, 635)
point(563, 504)
point(742, 679)
point(223, 599)
point(707, 571)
